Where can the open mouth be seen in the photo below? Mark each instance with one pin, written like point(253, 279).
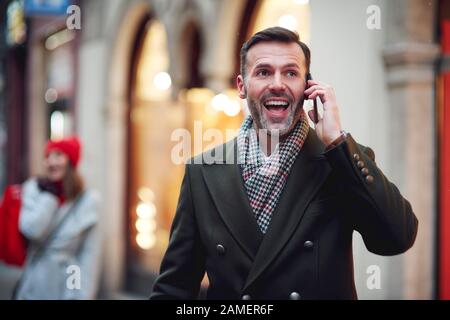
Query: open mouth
point(276, 108)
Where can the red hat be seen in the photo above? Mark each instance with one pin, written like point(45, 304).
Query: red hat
point(69, 146)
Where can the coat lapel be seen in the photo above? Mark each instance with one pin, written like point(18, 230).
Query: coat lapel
point(226, 187)
point(307, 174)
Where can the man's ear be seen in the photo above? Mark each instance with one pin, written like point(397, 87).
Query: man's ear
point(241, 87)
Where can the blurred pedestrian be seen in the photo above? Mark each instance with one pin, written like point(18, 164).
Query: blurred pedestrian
point(59, 219)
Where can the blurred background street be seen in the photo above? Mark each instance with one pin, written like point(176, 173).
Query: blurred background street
point(124, 75)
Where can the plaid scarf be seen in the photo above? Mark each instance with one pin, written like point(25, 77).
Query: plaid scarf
point(265, 177)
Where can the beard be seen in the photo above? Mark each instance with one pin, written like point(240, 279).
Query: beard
point(282, 127)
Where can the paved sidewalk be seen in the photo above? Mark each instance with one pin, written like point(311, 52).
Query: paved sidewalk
point(10, 275)
point(8, 279)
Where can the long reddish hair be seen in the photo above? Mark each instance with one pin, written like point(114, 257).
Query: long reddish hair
point(73, 183)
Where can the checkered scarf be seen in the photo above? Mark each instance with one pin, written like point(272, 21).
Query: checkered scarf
point(265, 177)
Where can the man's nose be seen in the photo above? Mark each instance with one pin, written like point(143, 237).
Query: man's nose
point(277, 83)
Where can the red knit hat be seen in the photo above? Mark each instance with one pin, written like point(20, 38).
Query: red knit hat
point(69, 146)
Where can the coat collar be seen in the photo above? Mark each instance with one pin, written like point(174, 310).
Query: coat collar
point(225, 183)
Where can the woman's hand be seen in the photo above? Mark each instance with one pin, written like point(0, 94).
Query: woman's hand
point(45, 184)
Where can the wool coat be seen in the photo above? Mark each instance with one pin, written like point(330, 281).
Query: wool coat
point(67, 266)
point(306, 252)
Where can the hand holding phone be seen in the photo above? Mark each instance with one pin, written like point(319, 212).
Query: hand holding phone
point(316, 114)
point(328, 125)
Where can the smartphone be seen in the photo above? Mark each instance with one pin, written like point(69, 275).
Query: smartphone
point(316, 114)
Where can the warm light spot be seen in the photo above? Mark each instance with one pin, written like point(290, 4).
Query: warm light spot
point(51, 95)
point(146, 210)
point(219, 101)
point(162, 81)
point(152, 83)
point(145, 241)
point(291, 14)
point(58, 39)
point(287, 21)
point(146, 194)
point(301, 2)
point(57, 125)
point(145, 225)
point(232, 108)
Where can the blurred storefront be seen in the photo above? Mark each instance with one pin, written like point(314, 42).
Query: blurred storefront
point(51, 77)
point(37, 87)
point(3, 127)
point(14, 56)
point(201, 60)
point(40, 57)
point(140, 78)
point(158, 110)
point(443, 118)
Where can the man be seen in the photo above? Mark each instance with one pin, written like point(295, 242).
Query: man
point(271, 220)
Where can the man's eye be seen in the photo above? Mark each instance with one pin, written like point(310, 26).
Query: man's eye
point(291, 74)
point(262, 73)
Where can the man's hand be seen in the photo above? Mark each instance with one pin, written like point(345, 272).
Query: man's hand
point(328, 127)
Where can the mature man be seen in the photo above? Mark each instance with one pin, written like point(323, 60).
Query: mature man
point(268, 220)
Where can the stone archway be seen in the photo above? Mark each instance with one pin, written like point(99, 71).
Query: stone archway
point(117, 107)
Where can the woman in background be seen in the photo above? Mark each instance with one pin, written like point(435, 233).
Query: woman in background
point(59, 219)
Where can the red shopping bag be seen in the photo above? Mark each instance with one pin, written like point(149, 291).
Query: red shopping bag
point(12, 243)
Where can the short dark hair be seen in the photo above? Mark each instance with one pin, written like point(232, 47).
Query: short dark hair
point(277, 34)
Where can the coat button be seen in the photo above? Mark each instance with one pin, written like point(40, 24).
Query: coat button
point(365, 171)
point(369, 179)
point(356, 156)
point(360, 164)
point(308, 244)
point(246, 297)
point(294, 296)
point(220, 249)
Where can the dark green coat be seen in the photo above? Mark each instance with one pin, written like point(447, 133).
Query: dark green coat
point(307, 250)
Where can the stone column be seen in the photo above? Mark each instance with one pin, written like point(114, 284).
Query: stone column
point(220, 45)
point(409, 56)
point(37, 108)
point(109, 31)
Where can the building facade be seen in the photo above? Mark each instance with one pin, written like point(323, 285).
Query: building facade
point(141, 70)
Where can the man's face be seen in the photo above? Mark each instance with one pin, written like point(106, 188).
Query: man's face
point(274, 85)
